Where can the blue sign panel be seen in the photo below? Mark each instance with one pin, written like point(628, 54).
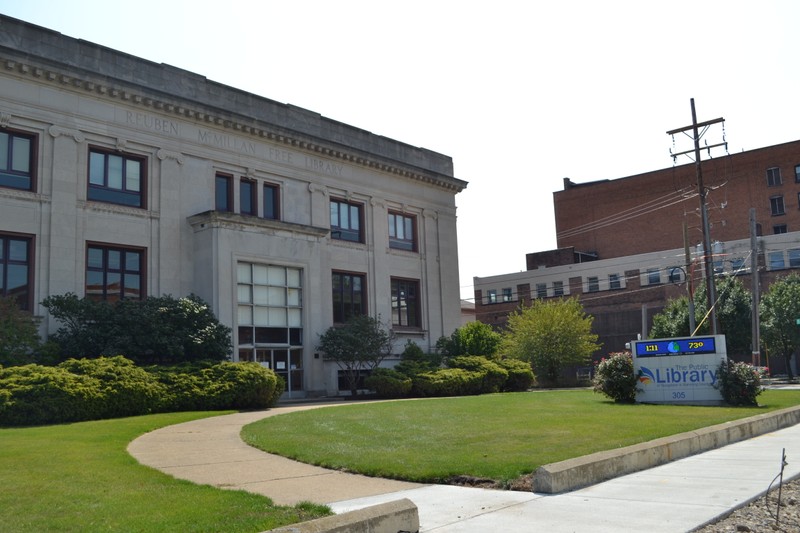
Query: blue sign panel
point(669, 347)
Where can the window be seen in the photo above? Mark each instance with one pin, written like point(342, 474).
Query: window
point(794, 258)
point(402, 232)
point(270, 319)
point(349, 296)
point(776, 205)
point(614, 281)
point(558, 288)
point(17, 160)
point(223, 197)
point(271, 202)
point(593, 284)
point(405, 303)
point(16, 258)
point(116, 179)
point(737, 266)
point(346, 221)
point(491, 296)
point(777, 229)
point(774, 176)
point(507, 294)
point(114, 273)
point(797, 173)
point(248, 197)
point(541, 290)
point(675, 274)
point(653, 276)
point(776, 261)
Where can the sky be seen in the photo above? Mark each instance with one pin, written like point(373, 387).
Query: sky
point(521, 94)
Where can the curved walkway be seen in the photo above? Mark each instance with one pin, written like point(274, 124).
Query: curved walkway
point(675, 497)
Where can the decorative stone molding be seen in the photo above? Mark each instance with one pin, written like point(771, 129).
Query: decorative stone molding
point(122, 145)
point(57, 131)
point(375, 202)
point(166, 154)
point(430, 213)
point(313, 187)
point(5, 119)
point(250, 173)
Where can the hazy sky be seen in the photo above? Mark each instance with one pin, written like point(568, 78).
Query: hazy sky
point(520, 93)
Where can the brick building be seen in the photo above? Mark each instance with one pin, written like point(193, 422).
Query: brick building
point(621, 245)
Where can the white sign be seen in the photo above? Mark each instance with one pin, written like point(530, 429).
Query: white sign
point(680, 370)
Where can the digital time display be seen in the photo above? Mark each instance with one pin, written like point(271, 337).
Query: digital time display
point(657, 348)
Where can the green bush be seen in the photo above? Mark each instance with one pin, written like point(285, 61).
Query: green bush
point(494, 376)
point(739, 383)
point(388, 383)
point(19, 336)
point(520, 375)
point(614, 377)
point(109, 387)
point(447, 382)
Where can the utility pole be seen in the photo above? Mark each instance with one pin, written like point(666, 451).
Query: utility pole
point(711, 292)
point(689, 288)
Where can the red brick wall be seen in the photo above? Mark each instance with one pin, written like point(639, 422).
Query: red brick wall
point(622, 217)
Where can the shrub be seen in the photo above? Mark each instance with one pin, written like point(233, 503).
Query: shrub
point(520, 375)
point(739, 383)
point(389, 383)
point(414, 361)
point(614, 377)
point(447, 382)
point(19, 336)
point(494, 376)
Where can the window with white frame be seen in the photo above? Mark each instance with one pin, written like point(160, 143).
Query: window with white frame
point(614, 281)
point(541, 290)
point(776, 261)
point(592, 284)
point(558, 288)
point(507, 294)
point(653, 276)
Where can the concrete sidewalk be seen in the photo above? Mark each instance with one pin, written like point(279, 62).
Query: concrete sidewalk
point(675, 497)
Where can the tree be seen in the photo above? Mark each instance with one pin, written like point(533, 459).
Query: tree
point(780, 309)
point(733, 312)
point(19, 336)
point(155, 330)
point(358, 345)
point(551, 335)
point(474, 338)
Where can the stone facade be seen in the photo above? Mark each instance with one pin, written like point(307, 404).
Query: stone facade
point(221, 193)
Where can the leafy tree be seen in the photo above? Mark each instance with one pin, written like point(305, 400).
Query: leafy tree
point(733, 312)
point(780, 309)
point(551, 335)
point(19, 336)
point(360, 344)
point(155, 330)
point(474, 338)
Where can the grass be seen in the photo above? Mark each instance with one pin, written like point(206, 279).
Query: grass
point(501, 436)
point(79, 477)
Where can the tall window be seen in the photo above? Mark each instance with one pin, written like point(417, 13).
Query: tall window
point(593, 284)
point(776, 205)
point(349, 296)
point(271, 202)
point(402, 232)
point(223, 197)
point(774, 176)
point(541, 290)
point(347, 219)
point(16, 257)
point(116, 179)
point(614, 281)
point(17, 160)
point(405, 303)
point(491, 296)
point(797, 173)
point(507, 294)
point(270, 304)
point(558, 288)
point(114, 273)
point(247, 197)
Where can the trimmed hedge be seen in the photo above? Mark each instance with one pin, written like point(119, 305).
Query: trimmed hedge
point(448, 382)
point(388, 383)
point(520, 375)
point(111, 387)
point(494, 376)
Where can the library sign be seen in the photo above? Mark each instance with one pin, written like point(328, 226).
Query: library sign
point(681, 370)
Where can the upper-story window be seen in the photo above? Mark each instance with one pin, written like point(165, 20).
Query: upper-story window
point(17, 160)
point(347, 221)
point(541, 290)
point(593, 284)
point(774, 176)
point(223, 193)
point(507, 294)
point(114, 273)
point(16, 281)
point(405, 303)
point(614, 281)
point(777, 229)
point(776, 206)
point(402, 232)
point(248, 197)
point(653, 276)
point(558, 288)
point(491, 296)
point(349, 296)
point(116, 178)
point(272, 202)
point(797, 173)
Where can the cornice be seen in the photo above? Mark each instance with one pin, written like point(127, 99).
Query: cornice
point(241, 125)
point(223, 219)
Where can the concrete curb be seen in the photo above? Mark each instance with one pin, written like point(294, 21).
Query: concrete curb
point(580, 472)
point(390, 517)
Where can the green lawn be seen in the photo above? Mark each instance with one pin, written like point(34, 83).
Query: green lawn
point(500, 436)
point(79, 477)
